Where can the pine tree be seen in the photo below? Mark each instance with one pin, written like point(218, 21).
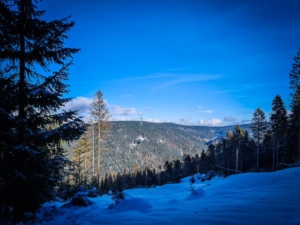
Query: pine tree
point(176, 171)
point(279, 122)
point(211, 157)
point(247, 148)
point(33, 162)
point(7, 106)
point(294, 125)
point(239, 134)
point(82, 157)
point(101, 116)
point(295, 103)
point(228, 150)
point(187, 163)
point(295, 73)
point(267, 150)
point(258, 128)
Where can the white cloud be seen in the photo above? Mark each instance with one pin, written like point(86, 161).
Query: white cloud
point(81, 104)
point(184, 121)
point(211, 122)
point(122, 111)
point(154, 120)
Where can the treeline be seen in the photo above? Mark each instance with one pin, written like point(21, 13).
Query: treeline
point(171, 172)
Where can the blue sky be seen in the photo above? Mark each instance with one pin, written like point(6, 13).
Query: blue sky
point(190, 62)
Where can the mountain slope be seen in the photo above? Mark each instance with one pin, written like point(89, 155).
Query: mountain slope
point(133, 144)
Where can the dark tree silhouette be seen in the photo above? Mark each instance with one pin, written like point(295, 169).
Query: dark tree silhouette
point(258, 128)
point(32, 158)
point(279, 125)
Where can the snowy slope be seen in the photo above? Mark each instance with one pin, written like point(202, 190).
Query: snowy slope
point(252, 198)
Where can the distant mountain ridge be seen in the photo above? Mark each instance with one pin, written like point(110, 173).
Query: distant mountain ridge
point(135, 144)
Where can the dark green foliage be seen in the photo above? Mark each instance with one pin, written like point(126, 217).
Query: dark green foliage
point(293, 139)
point(294, 126)
point(259, 127)
point(187, 165)
point(117, 192)
point(279, 127)
point(80, 198)
point(192, 188)
point(32, 129)
point(267, 147)
point(177, 171)
point(295, 73)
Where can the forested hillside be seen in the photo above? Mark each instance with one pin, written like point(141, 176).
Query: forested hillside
point(133, 144)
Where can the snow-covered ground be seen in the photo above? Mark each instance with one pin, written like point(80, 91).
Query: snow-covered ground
point(251, 198)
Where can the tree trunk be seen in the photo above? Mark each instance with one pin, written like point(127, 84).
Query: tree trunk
point(79, 170)
point(237, 159)
point(93, 140)
point(85, 170)
point(21, 107)
point(277, 153)
point(273, 157)
point(99, 151)
point(257, 157)
point(242, 162)
point(299, 142)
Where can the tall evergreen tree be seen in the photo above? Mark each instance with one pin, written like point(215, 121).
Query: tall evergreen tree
point(33, 162)
point(295, 103)
point(101, 116)
point(82, 157)
point(229, 150)
point(258, 128)
point(266, 159)
point(176, 171)
point(294, 125)
point(295, 73)
point(239, 135)
point(279, 122)
point(211, 157)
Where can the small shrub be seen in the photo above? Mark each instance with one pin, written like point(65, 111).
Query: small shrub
point(192, 188)
point(192, 179)
point(116, 195)
point(81, 198)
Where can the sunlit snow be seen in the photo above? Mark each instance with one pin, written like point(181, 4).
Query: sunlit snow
point(251, 198)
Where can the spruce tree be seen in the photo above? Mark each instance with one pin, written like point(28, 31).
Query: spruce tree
point(239, 135)
point(211, 157)
point(82, 158)
point(229, 152)
point(258, 128)
point(279, 122)
point(294, 125)
point(32, 159)
point(101, 116)
point(295, 73)
point(295, 105)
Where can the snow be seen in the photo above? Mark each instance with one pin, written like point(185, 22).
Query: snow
point(250, 198)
